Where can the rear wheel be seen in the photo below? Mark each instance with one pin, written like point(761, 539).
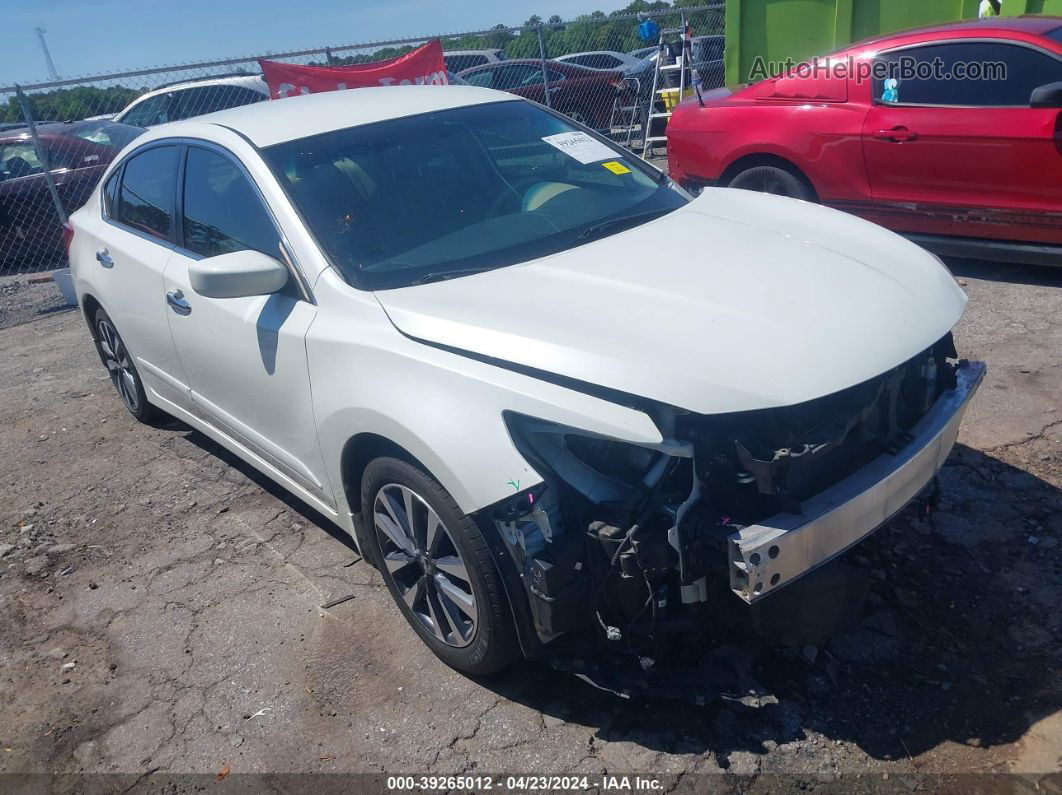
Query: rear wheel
point(437, 566)
point(120, 367)
point(773, 180)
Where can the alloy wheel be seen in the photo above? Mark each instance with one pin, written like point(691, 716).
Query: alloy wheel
point(419, 556)
point(119, 365)
point(770, 185)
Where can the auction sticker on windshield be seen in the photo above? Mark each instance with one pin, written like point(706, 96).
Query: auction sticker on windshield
point(583, 147)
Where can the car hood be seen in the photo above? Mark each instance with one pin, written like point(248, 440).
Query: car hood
point(736, 301)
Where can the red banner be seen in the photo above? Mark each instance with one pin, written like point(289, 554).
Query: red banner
point(423, 66)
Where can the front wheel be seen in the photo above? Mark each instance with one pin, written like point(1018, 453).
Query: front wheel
point(437, 566)
point(774, 180)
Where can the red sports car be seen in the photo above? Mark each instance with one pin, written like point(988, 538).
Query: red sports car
point(951, 135)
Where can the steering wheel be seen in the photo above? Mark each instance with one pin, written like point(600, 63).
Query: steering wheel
point(506, 195)
point(542, 192)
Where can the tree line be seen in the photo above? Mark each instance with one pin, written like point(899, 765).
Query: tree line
point(596, 31)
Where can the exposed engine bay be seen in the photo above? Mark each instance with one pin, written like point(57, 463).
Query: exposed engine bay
point(636, 545)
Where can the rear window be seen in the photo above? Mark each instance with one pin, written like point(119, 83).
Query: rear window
point(111, 134)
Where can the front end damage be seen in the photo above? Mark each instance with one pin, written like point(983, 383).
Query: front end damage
point(634, 559)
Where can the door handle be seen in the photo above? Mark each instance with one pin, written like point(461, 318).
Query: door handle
point(103, 257)
point(897, 134)
point(175, 298)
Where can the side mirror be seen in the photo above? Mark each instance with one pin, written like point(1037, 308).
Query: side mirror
point(237, 275)
point(1049, 96)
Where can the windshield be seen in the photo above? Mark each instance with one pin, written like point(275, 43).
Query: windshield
point(443, 194)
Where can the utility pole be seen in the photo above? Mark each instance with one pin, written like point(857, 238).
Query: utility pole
point(47, 55)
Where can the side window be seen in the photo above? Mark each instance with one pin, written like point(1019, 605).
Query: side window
point(708, 49)
point(457, 63)
point(149, 184)
point(517, 76)
point(222, 211)
point(236, 96)
point(197, 101)
point(153, 110)
point(110, 191)
point(507, 77)
point(19, 160)
point(551, 76)
point(580, 60)
point(484, 79)
point(603, 61)
point(190, 102)
point(979, 74)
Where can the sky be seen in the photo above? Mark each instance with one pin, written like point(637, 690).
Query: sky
point(89, 37)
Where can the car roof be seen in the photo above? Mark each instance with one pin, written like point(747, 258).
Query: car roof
point(593, 52)
point(1035, 25)
point(248, 81)
point(560, 66)
point(54, 129)
point(292, 118)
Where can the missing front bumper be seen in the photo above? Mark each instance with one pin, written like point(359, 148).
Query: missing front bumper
point(770, 555)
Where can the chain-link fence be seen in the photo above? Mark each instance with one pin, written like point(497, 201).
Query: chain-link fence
point(57, 138)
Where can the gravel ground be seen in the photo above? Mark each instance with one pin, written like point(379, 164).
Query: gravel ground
point(22, 300)
point(160, 611)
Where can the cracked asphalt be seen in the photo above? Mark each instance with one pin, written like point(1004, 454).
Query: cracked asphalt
point(161, 609)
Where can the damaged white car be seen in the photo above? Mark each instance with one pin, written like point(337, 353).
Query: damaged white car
point(555, 401)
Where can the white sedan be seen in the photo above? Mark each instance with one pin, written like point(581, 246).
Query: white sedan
point(609, 60)
point(546, 392)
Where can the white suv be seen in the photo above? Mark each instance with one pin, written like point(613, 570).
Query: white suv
point(193, 98)
point(547, 393)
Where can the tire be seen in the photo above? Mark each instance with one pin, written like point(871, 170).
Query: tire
point(773, 180)
point(119, 363)
point(442, 575)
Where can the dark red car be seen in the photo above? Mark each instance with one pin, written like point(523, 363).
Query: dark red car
point(584, 95)
point(76, 153)
point(951, 135)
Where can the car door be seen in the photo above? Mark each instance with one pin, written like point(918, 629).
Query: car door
point(133, 242)
point(964, 156)
point(245, 357)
